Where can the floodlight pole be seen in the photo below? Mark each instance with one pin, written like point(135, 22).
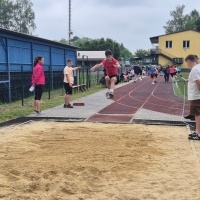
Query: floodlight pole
point(70, 31)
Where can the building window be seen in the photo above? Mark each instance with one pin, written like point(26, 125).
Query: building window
point(186, 44)
point(168, 44)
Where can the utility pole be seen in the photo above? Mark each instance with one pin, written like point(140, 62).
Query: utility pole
point(70, 31)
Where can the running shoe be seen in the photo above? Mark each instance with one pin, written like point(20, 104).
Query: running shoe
point(192, 118)
point(111, 95)
point(192, 134)
point(189, 117)
point(69, 106)
point(37, 112)
point(152, 83)
point(194, 137)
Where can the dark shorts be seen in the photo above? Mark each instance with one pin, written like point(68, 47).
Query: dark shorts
point(38, 92)
point(116, 77)
point(195, 107)
point(68, 89)
point(152, 75)
point(137, 73)
point(172, 74)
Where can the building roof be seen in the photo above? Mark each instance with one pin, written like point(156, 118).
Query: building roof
point(92, 55)
point(155, 39)
point(5, 31)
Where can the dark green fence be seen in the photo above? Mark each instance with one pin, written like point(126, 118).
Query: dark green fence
point(20, 82)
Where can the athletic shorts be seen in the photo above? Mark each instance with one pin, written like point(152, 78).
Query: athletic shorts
point(137, 73)
point(152, 75)
point(68, 89)
point(195, 107)
point(116, 77)
point(38, 92)
point(172, 74)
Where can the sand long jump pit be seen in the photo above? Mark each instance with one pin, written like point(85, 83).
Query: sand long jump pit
point(94, 161)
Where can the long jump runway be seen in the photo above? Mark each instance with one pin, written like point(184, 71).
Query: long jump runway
point(133, 97)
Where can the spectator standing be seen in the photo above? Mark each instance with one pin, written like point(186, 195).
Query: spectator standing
point(68, 82)
point(38, 81)
point(194, 93)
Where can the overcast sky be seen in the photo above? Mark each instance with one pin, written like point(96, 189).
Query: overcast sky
point(131, 22)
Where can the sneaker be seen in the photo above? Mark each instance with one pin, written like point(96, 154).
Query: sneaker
point(192, 118)
point(69, 106)
point(189, 117)
point(107, 94)
point(194, 137)
point(152, 83)
point(192, 134)
point(111, 95)
point(37, 112)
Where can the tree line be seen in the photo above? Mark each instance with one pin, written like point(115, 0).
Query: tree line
point(101, 44)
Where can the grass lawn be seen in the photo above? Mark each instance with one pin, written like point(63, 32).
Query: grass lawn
point(180, 89)
point(14, 110)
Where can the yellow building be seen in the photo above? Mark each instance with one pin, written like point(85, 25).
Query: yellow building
point(173, 48)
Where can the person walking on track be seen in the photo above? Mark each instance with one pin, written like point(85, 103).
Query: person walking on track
point(111, 66)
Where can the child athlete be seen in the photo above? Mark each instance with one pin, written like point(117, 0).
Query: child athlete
point(111, 66)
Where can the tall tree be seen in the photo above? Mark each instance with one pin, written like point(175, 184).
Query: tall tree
point(192, 20)
point(5, 13)
point(198, 24)
point(178, 20)
point(17, 15)
point(141, 53)
point(181, 22)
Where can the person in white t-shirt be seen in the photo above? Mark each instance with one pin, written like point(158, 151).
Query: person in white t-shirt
point(68, 82)
point(194, 93)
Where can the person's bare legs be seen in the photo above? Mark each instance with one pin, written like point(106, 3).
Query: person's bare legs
point(37, 105)
point(107, 79)
point(110, 83)
point(67, 99)
point(197, 119)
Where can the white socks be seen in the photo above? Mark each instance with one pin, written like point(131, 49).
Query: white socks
point(111, 90)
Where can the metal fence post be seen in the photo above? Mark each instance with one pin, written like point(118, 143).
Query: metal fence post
point(49, 82)
point(22, 84)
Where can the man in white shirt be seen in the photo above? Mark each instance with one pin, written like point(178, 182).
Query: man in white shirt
point(194, 93)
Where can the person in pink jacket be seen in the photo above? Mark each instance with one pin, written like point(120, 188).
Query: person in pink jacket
point(38, 81)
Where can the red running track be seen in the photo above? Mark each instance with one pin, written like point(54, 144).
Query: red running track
point(142, 94)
